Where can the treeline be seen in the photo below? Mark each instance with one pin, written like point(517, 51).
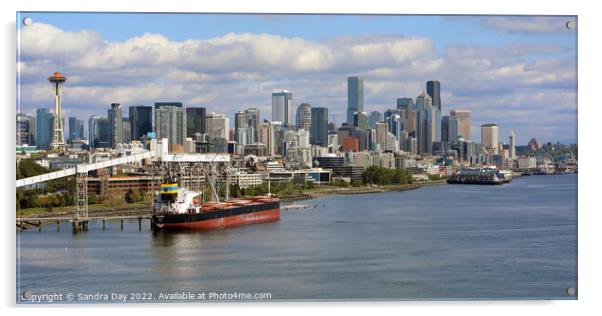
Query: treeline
point(281, 189)
point(54, 193)
point(383, 176)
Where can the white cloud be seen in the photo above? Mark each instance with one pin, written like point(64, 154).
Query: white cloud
point(236, 70)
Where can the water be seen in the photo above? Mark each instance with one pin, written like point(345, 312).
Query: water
point(515, 241)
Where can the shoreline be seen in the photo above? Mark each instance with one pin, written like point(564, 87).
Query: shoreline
point(319, 192)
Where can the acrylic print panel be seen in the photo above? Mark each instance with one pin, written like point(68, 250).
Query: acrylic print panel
point(244, 157)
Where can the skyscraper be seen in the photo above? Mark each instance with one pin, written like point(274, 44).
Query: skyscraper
point(241, 127)
point(218, 126)
point(303, 119)
point(449, 128)
point(319, 126)
point(433, 89)
point(405, 103)
point(374, 118)
point(267, 136)
point(170, 123)
point(126, 134)
point(254, 121)
point(282, 107)
point(382, 130)
point(115, 117)
point(141, 121)
point(44, 127)
point(76, 128)
point(196, 119)
point(355, 97)
point(489, 136)
point(464, 123)
point(25, 127)
point(360, 120)
point(98, 132)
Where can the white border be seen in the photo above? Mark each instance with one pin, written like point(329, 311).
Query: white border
point(589, 117)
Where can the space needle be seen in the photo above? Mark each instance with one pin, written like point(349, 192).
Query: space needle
point(58, 138)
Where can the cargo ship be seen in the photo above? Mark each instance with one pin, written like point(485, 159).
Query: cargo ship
point(177, 208)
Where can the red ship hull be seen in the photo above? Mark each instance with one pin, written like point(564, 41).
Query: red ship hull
point(270, 215)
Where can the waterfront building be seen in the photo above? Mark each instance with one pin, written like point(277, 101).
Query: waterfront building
point(433, 89)
point(282, 107)
point(512, 149)
point(355, 97)
point(76, 128)
point(115, 125)
point(489, 137)
point(303, 119)
point(464, 122)
point(217, 126)
point(529, 162)
point(170, 123)
point(374, 118)
point(196, 118)
point(44, 125)
point(319, 126)
point(141, 121)
point(245, 180)
point(360, 120)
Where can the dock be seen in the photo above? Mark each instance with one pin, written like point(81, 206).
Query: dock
point(77, 224)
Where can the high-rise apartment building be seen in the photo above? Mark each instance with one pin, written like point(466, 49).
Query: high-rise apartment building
point(170, 123)
point(115, 117)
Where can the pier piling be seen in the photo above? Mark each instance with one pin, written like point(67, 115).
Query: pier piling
point(103, 224)
point(121, 224)
point(58, 225)
point(139, 223)
point(39, 226)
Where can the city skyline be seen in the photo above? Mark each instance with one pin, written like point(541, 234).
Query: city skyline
point(530, 72)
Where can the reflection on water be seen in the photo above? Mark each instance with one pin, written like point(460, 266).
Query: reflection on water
point(452, 241)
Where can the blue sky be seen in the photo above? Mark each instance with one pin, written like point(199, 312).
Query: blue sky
point(520, 63)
